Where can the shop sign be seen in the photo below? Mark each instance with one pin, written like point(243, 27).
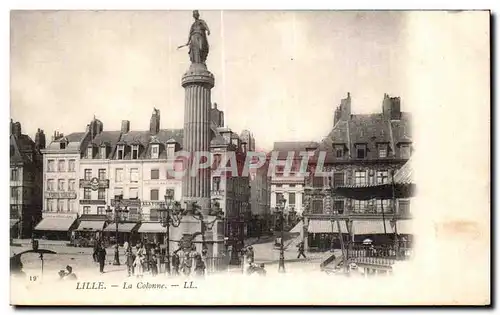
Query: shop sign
point(94, 183)
point(60, 194)
point(92, 202)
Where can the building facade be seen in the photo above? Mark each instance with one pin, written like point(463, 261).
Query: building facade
point(26, 176)
point(360, 150)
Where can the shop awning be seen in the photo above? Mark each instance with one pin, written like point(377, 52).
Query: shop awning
point(13, 222)
point(367, 227)
point(152, 227)
point(55, 224)
point(326, 226)
point(404, 226)
point(297, 228)
point(122, 227)
point(91, 226)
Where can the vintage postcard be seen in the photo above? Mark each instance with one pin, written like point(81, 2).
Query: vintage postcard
point(249, 157)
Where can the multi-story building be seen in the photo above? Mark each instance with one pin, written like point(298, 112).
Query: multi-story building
point(289, 185)
point(25, 180)
point(360, 150)
point(260, 198)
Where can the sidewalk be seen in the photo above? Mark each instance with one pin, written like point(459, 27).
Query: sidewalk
point(27, 242)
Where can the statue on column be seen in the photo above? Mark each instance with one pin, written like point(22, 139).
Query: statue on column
point(197, 41)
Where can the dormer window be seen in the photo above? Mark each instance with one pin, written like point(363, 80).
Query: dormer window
point(102, 152)
point(155, 150)
point(361, 151)
point(339, 151)
point(135, 152)
point(170, 150)
point(382, 150)
point(90, 152)
point(62, 145)
point(120, 152)
point(405, 151)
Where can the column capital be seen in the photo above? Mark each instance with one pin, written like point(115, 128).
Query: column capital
point(198, 74)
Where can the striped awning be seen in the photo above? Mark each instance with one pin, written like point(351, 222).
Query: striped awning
point(369, 227)
point(326, 226)
point(297, 228)
point(122, 227)
point(152, 227)
point(91, 226)
point(13, 222)
point(404, 226)
point(55, 224)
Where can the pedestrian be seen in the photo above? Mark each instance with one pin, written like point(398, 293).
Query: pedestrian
point(154, 264)
point(130, 257)
point(102, 258)
point(96, 251)
point(199, 266)
point(175, 263)
point(139, 264)
point(61, 274)
point(301, 250)
point(250, 255)
point(70, 275)
point(262, 270)
point(187, 263)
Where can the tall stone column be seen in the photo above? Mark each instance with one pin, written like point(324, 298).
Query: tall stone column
point(197, 82)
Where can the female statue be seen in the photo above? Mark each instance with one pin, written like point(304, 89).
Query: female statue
point(197, 42)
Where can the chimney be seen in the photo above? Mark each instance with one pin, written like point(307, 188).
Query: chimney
point(217, 116)
point(343, 111)
point(125, 126)
point(391, 107)
point(154, 123)
point(16, 129)
point(40, 139)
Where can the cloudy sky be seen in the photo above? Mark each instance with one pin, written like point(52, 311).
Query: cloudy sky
point(278, 74)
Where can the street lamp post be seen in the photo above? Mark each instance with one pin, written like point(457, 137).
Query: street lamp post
point(281, 265)
point(117, 219)
point(170, 215)
point(214, 211)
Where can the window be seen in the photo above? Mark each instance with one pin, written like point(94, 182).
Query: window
point(61, 166)
point(155, 174)
point(62, 145)
point(50, 205)
point(120, 152)
point(102, 174)
point(135, 152)
point(338, 206)
point(118, 192)
point(382, 151)
point(14, 174)
point(170, 192)
point(279, 196)
point(404, 207)
point(361, 151)
point(291, 185)
point(71, 165)
point(359, 206)
point(171, 150)
point(87, 193)
point(382, 177)
point(133, 193)
point(339, 151)
point(86, 210)
point(279, 185)
point(51, 166)
point(386, 206)
point(87, 174)
point(217, 159)
point(338, 179)
point(100, 210)
point(102, 152)
point(360, 178)
point(72, 205)
point(317, 206)
point(60, 185)
point(101, 194)
point(60, 205)
point(13, 192)
point(134, 175)
point(154, 194)
point(291, 199)
point(318, 181)
point(155, 151)
point(216, 183)
point(153, 215)
point(71, 185)
point(405, 151)
point(90, 152)
point(50, 185)
point(119, 175)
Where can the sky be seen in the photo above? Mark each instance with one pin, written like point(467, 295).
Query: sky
point(279, 74)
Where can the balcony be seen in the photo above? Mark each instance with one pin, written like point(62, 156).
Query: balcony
point(217, 192)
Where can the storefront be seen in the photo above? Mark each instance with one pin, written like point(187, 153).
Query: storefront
point(56, 227)
point(323, 235)
point(127, 232)
point(152, 232)
point(89, 229)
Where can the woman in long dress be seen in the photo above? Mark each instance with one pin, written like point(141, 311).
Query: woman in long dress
point(197, 42)
point(139, 262)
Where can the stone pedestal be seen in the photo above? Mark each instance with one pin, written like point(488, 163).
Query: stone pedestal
point(197, 82)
